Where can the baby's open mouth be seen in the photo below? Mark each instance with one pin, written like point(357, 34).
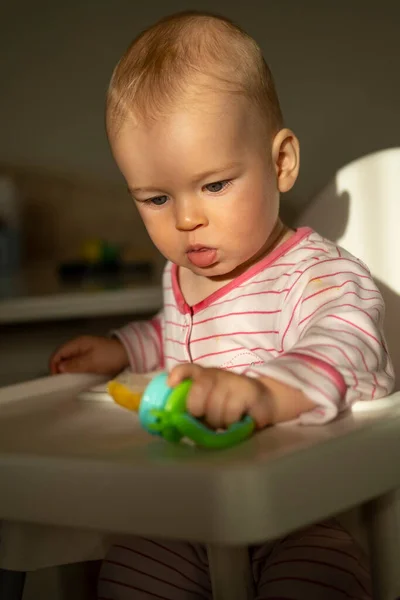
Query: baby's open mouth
point(201, 256)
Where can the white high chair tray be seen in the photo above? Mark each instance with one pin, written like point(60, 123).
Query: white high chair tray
point(69, 462)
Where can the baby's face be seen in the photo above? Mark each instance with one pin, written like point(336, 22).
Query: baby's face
point(204, 184)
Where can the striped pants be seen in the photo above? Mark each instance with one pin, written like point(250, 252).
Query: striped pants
point(322, 562)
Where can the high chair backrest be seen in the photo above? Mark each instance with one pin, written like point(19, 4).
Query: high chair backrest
point(360, 209)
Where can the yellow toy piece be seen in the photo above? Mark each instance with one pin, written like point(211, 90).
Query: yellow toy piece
point(124, 396)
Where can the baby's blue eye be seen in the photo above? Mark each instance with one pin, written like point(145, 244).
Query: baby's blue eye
point(158, 200)
point(216, 186)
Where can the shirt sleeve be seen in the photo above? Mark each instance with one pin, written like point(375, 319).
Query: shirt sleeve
point(332, 343)
point(143, 341)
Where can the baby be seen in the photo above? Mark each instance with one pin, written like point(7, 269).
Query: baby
point(276, 323)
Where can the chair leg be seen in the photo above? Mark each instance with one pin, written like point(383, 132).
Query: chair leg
point(11, 584)
point(230, 572)
point(383, 525)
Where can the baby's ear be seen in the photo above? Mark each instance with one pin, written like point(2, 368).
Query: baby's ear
point(286, 159)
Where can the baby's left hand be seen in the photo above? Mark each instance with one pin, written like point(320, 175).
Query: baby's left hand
point(222, 398)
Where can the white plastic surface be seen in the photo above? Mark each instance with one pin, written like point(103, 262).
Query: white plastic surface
point(360, 210)
point(88, 465)
point(383, 520)
point(230, 573)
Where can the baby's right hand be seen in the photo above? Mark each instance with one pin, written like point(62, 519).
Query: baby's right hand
point(90, 354)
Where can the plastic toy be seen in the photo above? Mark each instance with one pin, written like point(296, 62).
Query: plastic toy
point(162, 412)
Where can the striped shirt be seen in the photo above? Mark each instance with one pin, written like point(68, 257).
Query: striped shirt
point(309, 315)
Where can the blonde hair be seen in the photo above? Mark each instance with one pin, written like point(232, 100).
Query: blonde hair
point(162, 62)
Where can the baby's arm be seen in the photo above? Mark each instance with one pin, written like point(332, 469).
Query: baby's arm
point(143, 343)
point(333, 348)
point(332, 354)
point(89, 354)
point(138, 344)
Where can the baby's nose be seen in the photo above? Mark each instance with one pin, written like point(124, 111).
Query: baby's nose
point(189, 215)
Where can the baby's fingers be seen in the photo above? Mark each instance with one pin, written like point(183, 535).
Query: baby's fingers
point(184, 371)
point(79, 364)
point(70, 350)
point(203, 381)
point(261, 412)
point(234, 410)
point(198, 400)
point(57, 358)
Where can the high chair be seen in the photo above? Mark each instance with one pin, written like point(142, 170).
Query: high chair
point(360, 210)
point(71, 463)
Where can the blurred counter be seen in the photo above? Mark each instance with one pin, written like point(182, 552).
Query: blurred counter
point(37, 294)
